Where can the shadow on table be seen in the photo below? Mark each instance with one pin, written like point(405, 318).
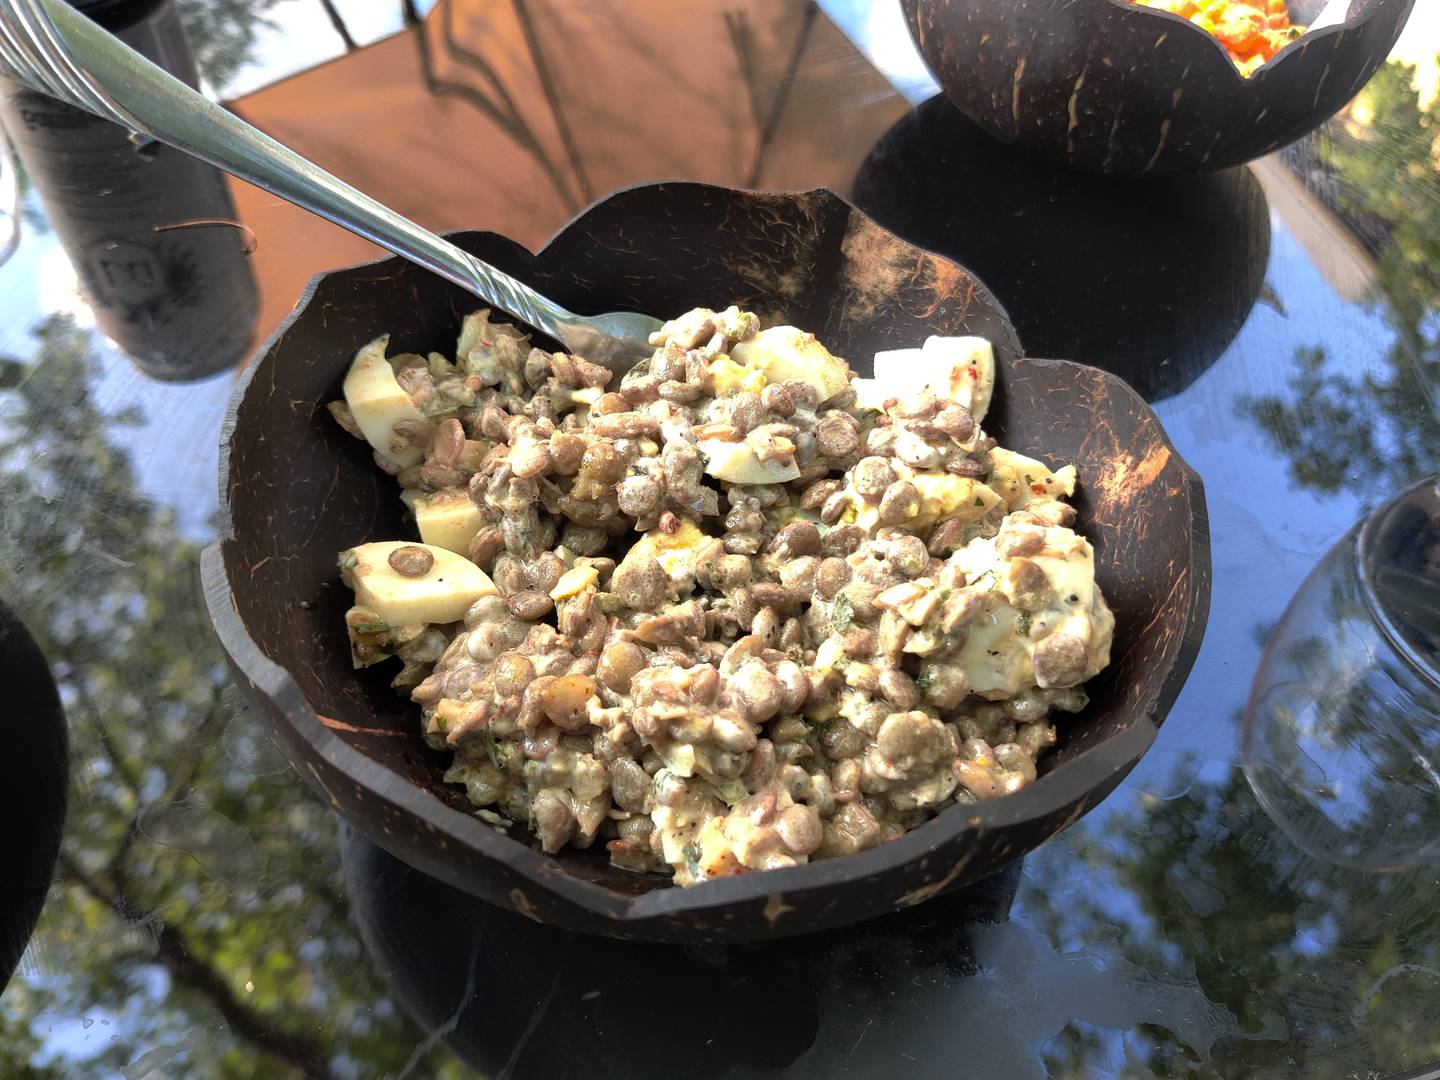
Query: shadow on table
point(1150, 279)
point(513, 998)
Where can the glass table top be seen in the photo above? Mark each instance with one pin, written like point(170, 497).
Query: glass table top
point(209, 917)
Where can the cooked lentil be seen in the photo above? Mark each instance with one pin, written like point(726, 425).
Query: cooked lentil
point(744, 610)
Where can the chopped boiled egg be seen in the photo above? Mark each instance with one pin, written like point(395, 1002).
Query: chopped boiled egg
point(448, 519)
point(729, 376)
point(441, 594)
point(971, 374)
point(999, 646)
point(941, 496)
point(379, 402)
point(784, 353)
point(739, 463)
point(1021, 480)
point(945, 496)
point(573, 582)
point(958, 369)
point(676, 552)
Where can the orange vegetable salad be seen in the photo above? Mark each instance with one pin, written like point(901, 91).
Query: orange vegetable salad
point(1252, 31)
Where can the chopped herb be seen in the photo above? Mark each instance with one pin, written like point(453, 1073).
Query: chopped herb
point(1022, 624)
point(732, 791)
point(841, 613)
point(1073, 598)
point(1028, 478)
point(505, 753)
point(979, 501)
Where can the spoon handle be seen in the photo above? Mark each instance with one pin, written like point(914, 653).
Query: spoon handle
point(54, 49)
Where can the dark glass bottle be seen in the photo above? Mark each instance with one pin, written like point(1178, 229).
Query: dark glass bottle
point(152, 233)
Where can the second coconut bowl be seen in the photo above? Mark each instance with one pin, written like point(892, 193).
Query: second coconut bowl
point(1111, 87)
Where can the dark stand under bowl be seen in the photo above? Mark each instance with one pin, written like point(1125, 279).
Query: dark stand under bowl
point(296, 490)
point(434, 966)
point(1148, 279)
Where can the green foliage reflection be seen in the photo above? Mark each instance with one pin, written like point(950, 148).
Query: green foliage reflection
point(1345, 418)
point(199, 897)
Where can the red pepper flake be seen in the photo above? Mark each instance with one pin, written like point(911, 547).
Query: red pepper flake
point(973, 373)
point(1038, 489)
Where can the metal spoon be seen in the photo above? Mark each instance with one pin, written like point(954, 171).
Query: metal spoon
point(54, 49)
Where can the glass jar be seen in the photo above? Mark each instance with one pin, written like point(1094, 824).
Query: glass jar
point(1341, 736)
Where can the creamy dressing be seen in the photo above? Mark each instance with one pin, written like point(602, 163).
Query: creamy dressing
point(841, 714)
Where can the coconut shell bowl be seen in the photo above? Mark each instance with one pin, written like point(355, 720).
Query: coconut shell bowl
point(1114, 87)
point(296, 490)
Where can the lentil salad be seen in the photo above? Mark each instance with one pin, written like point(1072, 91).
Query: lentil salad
point(741, 611)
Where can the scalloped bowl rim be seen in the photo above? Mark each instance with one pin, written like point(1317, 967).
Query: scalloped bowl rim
point(1250, 83)
point(1062, 785)
point(1351, 21)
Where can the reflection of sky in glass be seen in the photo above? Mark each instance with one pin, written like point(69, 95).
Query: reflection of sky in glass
point(879, 30)
point(1266, 533)
point(20, 298)
point(303, 37)
point(9, 202)
point(77, 1039)
point(174, 450)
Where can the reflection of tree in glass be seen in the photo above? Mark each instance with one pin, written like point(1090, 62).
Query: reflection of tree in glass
point(1387, 172)
point(223, 34)
point(222, 948)
point(1329, 973)
point(1382, 425)
point(19, 1047)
